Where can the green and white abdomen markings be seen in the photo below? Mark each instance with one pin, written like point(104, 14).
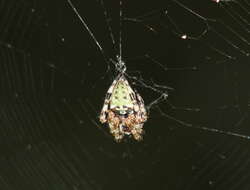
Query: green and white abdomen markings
point(121, 96)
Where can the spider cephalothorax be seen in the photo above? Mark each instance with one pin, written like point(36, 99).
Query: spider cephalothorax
point(123, 110)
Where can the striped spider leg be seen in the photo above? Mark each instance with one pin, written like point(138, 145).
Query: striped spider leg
point(104, 112)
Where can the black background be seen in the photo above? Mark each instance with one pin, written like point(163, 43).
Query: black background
point(53, 81)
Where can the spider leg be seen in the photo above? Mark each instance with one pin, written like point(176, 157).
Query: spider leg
point(114, 126)
point(115, 131)
point(137, 132)
point(142, 110)
point(103, 114)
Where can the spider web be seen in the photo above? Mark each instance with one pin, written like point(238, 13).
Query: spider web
point(188, 60)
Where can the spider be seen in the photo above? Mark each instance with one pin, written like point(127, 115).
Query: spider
point(123, 110)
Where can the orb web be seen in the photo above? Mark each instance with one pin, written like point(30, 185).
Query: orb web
point(188, 60)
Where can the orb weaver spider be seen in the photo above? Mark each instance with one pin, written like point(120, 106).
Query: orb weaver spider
point(123, 110)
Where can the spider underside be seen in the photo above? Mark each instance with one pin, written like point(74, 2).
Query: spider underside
point(123, 110)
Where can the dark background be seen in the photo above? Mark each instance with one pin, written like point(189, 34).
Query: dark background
point(53, 81)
